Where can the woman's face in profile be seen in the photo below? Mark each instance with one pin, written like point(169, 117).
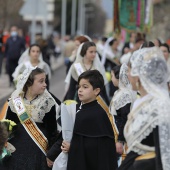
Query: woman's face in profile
point(165, 52)
point(133, 79)
point(115, 81)
point(77, 43)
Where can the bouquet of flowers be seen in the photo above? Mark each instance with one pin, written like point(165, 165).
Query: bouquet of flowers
point(68, 113)
point(11, 127)
point(8, 128)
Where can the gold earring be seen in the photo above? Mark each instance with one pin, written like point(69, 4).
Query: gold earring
point(137, 85)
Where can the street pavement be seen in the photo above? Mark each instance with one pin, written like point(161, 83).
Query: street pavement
point(5, 90)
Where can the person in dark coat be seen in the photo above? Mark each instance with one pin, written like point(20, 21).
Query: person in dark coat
point(93, 143)
point(15, 45)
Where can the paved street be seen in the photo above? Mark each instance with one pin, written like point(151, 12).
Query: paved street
point(57, 84)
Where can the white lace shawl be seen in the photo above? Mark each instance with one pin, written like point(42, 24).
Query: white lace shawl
point(148, 114)
point(151, 68)
point(125, 94)
point(39, 107)
point(108, 52)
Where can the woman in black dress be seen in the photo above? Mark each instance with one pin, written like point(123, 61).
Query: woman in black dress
point(34, 110)
point(147, 130)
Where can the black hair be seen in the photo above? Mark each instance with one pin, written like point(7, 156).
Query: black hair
point(85, 47)
point(132, 34)
point(3, 135)
point(166, 46)
point(116, 70)
point(147, 44)
point(33, 45)
point(140, 37)
point(94, 77)
point(31, 78)
point(159, 41)
point(112, 42)
point(104, 39)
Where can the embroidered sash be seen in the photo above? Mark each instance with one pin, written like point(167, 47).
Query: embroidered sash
point(29, 125)
point(3, 111)
point(111, 118)
point(79, 68)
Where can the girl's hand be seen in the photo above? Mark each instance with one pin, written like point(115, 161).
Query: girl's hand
point(49, 162)
point(119, 147)
point(65, 146)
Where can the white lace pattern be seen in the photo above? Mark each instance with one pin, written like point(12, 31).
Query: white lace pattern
point(125, 94)
point(41, 105)
point(38, 107)
point(151, 68)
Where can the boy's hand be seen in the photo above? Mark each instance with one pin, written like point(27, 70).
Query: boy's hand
point(65, 146)
point(49, 162)
point(119, 147)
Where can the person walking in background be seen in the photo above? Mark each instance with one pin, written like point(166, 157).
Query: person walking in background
point(86, 59)
point(14, 47)
point(1, 53)
point(77, 41)
point(32, 57)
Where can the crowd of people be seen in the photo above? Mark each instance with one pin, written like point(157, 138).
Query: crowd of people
point(114, 114)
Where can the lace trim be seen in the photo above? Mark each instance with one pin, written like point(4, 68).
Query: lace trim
point(39, 106)
point(122, 99)
point(141, 123)
point(142, 149)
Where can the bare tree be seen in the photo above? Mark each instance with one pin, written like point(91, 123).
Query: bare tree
point(9, 12)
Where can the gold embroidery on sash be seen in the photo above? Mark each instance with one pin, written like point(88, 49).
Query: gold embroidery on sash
point(111, 118)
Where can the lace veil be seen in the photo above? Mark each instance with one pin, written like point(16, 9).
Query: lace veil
point(151, 68)
point(106, 50)
point(43, 103)
point(125, 94)
point(25, 59)
point(96, 63)
point(68, 77)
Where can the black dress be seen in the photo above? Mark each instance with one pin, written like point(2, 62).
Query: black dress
point(148, 164)
point(93, 145)
point(28, 156)
point(121, 119)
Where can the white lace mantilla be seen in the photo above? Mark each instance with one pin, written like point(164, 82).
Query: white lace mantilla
point(38, 107)
point(150, 66)
point(125, 94)
point(141, 122)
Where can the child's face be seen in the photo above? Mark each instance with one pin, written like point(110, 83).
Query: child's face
point(91, 53)
point(34, 53)
point(86, 92)
point(39, 84)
